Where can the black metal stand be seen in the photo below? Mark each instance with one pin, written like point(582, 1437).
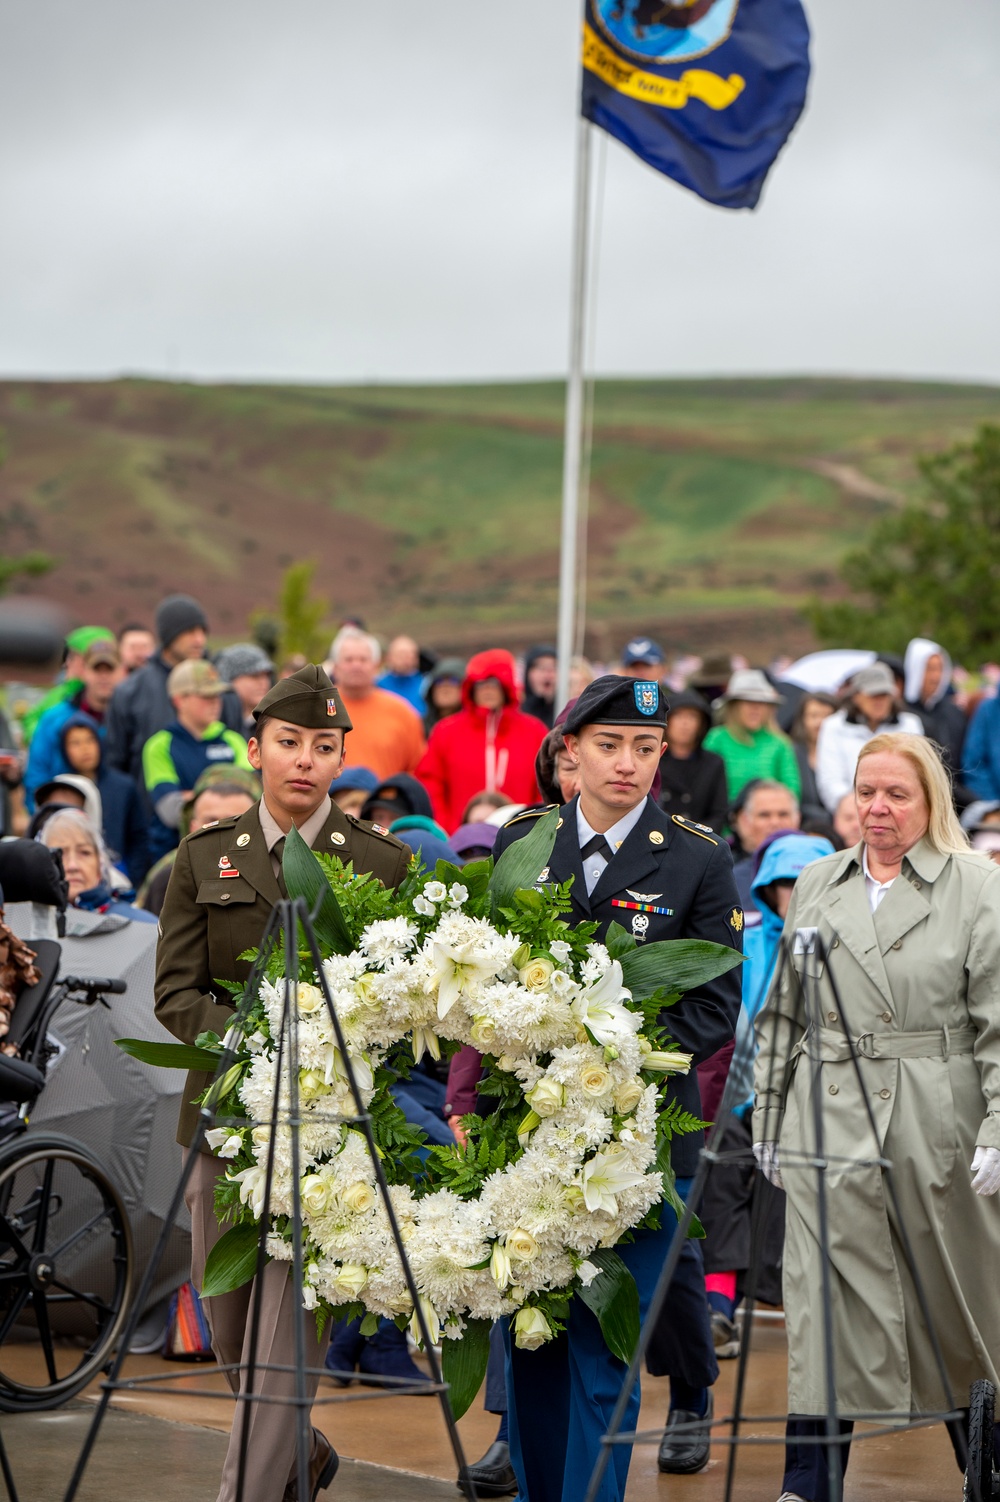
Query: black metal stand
point(289, 919)
point(818, 1161)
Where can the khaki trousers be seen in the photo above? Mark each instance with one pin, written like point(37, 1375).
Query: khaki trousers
point(271, 1444)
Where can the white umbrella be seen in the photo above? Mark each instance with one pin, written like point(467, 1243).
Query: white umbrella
point(825, 672)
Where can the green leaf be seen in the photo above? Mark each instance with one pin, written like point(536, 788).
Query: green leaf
point(463, 1364)
point(169, 1055)
point(675, 965)
point(614, 1299)
point(232, 1260)
point(618, 942)
point(448, 873)
point(521, 864)
point(369, 1325)
point(304, 877)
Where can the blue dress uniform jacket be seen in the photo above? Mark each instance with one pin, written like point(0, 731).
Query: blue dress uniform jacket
point(687, 870)
point(561, 1397)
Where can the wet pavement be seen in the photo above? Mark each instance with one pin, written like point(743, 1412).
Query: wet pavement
point(157, 1446)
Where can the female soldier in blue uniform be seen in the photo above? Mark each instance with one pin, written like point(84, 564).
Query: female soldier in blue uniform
point(659, 877)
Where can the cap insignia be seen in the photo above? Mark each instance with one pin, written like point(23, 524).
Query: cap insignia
point(331, 708)
point(647, 697)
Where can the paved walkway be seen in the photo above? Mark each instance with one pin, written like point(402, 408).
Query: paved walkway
point(160, 1448)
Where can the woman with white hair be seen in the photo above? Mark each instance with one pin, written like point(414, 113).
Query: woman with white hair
point(86, 864)
point(886, 1020)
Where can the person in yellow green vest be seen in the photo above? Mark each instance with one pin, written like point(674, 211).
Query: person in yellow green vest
point(174, 758)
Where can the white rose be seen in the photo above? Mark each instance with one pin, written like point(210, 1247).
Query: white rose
point(627, 1097)
point(311, 999)
point(435, 891)
point(547, 1098)
point(359, 1198)
point(318, 1193)
point(350, 1279)
point(534, 976)
point(507, 1063)
point(531, 1329)
point(595, 1080)
point(312, 1084)
point(224, 1142)
point(521, 1245)
point(500, 1266)
point(483, 1032)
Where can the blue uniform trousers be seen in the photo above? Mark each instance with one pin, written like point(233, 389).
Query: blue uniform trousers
point(561, 1397)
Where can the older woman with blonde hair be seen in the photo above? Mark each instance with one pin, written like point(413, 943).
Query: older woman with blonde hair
point(885, 1022)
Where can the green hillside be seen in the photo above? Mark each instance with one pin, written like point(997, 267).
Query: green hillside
point(716, 506)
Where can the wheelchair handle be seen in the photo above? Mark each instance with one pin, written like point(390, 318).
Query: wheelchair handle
point(95, 984)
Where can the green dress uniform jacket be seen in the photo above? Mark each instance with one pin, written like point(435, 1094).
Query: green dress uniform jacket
point(918, 988)
point(208, 920)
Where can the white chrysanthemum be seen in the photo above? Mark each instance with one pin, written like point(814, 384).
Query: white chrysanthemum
point(388, 939)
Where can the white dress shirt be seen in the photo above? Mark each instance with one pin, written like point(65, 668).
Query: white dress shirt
point(876, 889)
point(593, 866)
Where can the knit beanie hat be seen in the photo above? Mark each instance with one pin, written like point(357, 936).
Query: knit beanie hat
point(177, 614)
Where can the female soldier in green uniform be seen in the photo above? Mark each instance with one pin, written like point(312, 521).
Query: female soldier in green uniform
point(225, 881)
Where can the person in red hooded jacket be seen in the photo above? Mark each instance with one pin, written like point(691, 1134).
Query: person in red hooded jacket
point(490, 743)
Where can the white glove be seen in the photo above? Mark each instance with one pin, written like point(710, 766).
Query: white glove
point(766, 1154)
point(986, 1170)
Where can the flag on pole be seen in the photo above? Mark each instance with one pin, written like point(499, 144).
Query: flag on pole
point(706, 91)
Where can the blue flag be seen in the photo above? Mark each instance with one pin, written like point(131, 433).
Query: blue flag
point(706, 91)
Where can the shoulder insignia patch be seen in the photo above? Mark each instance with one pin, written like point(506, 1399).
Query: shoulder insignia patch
point(736, 920)
point(368, 828)
point(701, 830)
point(530, 813)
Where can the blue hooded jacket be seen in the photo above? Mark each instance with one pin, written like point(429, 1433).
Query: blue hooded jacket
point(783, 860)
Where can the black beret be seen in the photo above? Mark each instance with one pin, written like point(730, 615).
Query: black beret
point(618, 701)
point(308, 698)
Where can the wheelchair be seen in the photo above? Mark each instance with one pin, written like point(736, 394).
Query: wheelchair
point(67, 1266)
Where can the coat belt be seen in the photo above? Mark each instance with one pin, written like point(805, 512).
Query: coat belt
point(938, 1043)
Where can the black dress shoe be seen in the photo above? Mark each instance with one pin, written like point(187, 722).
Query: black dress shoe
point(684, 1453)
point(494, 1474)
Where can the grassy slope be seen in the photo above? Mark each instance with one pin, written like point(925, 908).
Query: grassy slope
point(717, 506)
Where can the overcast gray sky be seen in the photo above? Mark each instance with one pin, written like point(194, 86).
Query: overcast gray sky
point(321, 190)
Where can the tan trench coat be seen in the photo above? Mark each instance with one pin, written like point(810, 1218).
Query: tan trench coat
point(919, 985)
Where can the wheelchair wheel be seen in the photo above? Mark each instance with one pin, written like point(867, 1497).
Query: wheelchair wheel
point(66, 1269)
point(979, 1473)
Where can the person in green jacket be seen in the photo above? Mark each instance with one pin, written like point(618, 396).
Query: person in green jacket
point(71, 680)
point(748, 739)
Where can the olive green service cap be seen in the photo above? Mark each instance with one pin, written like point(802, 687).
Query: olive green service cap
point(308, 698)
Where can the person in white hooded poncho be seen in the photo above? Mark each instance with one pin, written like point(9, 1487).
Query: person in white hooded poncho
point(927, 693)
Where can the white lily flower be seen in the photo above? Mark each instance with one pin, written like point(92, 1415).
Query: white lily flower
point(455, 967)
point(599, 1008)
point(425, 1040)
point(252, 1182)
point(667, 1063)
point(224, 1142)
point(603, 1177)
point(430, 1319)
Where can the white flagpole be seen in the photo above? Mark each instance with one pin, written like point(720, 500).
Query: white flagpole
point(573, 441)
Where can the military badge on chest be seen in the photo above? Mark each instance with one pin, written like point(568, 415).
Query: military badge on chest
point(641, 905)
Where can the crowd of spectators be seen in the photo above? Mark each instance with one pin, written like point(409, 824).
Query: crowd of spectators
point(144, 737)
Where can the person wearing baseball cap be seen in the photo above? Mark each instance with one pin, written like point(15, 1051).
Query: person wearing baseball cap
point(251, 672)
point(173, 759)
point(100, 671)
point(642, 658)
point(226, 879)
point(872, 707)
point(658, 876)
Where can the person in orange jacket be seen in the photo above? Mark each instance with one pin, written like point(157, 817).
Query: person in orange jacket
point(490, 744)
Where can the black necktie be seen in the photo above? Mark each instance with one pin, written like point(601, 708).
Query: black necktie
point(597, 846)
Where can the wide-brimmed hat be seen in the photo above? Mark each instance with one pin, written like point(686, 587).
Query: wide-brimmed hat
point(751, 685)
